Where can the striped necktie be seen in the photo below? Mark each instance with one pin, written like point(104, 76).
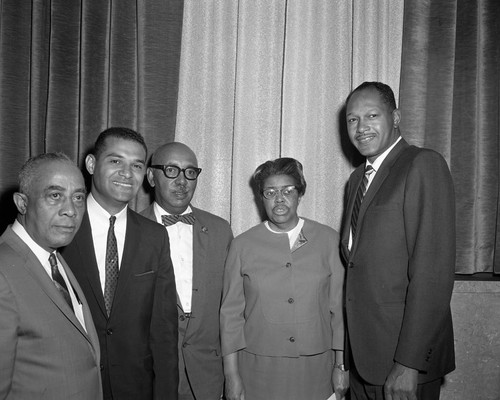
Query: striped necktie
point(59, 280)
point(359, 198)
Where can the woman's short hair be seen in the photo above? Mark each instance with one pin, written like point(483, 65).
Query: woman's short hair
point(280, 166)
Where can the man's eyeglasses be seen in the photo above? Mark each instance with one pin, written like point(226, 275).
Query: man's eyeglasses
point(272, 192)
point(173, 171)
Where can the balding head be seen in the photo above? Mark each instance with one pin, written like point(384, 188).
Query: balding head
point(173, 194)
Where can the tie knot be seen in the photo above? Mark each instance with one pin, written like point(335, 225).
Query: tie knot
point(53, 260)
point(168, 220)
point(112, 220)
point(368, 170)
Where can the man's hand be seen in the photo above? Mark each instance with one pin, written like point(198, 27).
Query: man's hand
point(401, 384)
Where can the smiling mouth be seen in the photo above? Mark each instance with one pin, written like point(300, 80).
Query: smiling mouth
point(365, 138)
point(122, 184)
point(280, 210)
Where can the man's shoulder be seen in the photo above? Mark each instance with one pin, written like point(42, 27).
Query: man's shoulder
point(206, 217)
point(135, 218)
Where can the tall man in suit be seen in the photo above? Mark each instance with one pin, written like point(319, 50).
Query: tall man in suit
point(122, 261)
point(199, 244)
point(398, 242)
point(48, 344)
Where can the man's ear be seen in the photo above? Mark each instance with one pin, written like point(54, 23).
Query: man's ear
point(90, 163)
point(396, 117)
point(21, 202)
point(150, 176)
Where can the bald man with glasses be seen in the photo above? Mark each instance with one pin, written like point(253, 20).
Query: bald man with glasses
point(199, 242)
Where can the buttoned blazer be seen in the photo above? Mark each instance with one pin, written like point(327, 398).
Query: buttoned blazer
point(45, 353)
point(200, 345)
point(400, 270)
point(283, 303)
point(139, 339)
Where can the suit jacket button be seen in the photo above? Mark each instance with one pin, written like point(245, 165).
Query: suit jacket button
point(109, 331)
point(182, 318)
point(102, 367)
point(288, 265)
point(184, 345)
point(350, 265)
point(292, 339)
point(290, 300)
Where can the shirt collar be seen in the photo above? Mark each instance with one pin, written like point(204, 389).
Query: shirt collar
point(40, 252)
point(380, 159)
point(94, 208)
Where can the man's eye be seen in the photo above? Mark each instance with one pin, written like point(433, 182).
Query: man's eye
point(139, 166)
point(55, 196)
point(351, 120)
point(114, 161)
point(79, 197)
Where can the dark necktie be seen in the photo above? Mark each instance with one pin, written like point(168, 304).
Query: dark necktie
point(168, 220)
point(59, 280)
point(359, 198)
point(111, 266)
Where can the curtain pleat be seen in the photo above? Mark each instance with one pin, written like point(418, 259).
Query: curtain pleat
point(450, 103)
point(70, 69)
point(279, 91)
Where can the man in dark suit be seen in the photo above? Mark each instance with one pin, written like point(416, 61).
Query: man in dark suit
point(48, 344)
point(199, 244)
point(398, 242)
point(122, 261)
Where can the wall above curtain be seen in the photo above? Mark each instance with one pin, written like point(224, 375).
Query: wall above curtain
point(70, 69)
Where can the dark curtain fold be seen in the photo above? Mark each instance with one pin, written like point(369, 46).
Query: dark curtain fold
point(450, 102)
point(70, 69)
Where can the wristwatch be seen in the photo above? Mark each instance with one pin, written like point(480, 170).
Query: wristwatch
point(339, 366)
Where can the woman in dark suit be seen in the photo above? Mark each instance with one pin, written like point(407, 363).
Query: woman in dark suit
point(282, 326)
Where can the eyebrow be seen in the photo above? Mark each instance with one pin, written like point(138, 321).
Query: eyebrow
point(116, 155)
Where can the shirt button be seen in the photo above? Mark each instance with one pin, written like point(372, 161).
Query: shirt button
point(292, 339)
point(288, 265)
point(290, 300)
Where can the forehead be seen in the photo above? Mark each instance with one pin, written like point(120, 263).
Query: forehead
point(58, 174)
point(176, 156)
point(278, 181)
point(124, 148)
point(366, 98)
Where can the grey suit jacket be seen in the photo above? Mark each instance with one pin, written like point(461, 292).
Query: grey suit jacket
point(200, 345)
point(45, 353)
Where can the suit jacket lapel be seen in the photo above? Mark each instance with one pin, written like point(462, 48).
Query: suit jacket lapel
point(200, 248)
point(132, 243)
point(87, 253)
point(377, 182)
point(36, 270)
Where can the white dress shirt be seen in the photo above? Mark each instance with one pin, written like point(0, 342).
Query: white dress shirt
point(181, 252)
point(99, 223)
point(43, 256)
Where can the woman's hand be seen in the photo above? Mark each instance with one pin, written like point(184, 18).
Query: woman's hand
point(234, 389)
point(340, 380)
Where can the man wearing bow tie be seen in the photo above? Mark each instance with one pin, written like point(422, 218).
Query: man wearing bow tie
point(199, 242)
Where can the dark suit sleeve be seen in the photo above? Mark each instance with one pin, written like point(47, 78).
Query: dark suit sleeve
point(429, 218)
point(164, 328)
point(8, 336)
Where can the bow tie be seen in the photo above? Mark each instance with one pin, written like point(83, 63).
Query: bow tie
point(168, 220)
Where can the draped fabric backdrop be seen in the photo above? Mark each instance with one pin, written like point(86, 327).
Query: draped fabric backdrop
point(450, 88)
point(256, 80)
point(264, 79)
point(70, 69)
